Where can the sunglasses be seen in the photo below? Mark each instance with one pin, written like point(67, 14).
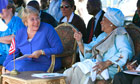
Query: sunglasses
point(64, 6)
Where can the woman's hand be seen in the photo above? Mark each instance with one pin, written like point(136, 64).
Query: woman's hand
point(3, 70)
point(100, 66)
point(36, 54)
point(78, 38)
point(131, 67)
point(77, 35)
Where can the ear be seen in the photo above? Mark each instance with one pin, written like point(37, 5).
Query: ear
point(72, 8)
point(26, 24)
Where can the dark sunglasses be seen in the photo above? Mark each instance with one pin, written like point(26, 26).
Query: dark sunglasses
point(64, 6)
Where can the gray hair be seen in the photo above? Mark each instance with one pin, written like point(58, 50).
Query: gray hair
point(27, 11)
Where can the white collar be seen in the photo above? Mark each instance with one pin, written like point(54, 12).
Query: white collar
point(70, 19)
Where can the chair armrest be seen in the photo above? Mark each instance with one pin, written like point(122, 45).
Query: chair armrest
point(51, 68)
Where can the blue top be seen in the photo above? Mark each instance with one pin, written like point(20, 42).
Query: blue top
point(14, 24)
point(121, 47)
point(46, 38)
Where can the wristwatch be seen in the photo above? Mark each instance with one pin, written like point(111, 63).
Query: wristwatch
point(42, 52)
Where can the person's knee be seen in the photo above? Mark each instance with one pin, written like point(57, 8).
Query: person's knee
point(118, 75)
point(67, 71)
point(136, 80)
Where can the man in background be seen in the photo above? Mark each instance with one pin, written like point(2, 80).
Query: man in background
point(94, 8)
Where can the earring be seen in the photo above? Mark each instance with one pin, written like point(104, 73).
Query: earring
point(111, 25)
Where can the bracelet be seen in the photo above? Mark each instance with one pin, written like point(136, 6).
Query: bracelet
point(42, 52)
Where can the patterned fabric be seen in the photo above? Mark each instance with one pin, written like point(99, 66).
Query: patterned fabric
point(66, 35)
point(134, 33)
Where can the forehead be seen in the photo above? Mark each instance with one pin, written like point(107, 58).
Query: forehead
point(33, 15)
point(65, 2)
point(105, 19)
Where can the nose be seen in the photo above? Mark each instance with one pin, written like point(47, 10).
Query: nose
point(101, 22)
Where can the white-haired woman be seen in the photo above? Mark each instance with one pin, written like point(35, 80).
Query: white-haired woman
point(111, 50)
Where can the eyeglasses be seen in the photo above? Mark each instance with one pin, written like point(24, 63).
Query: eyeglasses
point(64, 6)
point(33, 19)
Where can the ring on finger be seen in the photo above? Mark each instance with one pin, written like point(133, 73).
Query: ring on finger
point(99, 69)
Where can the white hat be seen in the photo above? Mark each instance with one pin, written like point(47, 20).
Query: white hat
point(115, 16)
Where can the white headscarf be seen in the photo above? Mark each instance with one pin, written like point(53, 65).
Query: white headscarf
point(115, 16)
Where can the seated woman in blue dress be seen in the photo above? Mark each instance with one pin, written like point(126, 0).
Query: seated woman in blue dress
point(40, 40)
point(13, 24)
point(110, 50)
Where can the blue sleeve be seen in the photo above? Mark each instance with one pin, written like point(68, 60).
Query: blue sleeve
point(54, 41)
point(124, 50)
point(89, 46)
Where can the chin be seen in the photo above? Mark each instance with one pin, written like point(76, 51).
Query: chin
point(35, 29)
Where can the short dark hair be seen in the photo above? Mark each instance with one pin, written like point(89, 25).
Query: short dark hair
point(138, 3)
point(96, 3)
point(34, 4)
point(71, 3)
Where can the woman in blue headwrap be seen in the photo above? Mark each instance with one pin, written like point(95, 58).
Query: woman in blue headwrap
point(100, 59)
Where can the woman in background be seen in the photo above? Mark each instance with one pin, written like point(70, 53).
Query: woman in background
point(13, 23)
point(68, 7)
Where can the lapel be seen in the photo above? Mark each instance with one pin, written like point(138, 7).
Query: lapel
point(98, 31)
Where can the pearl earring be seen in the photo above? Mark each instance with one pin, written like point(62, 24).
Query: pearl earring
point(111, 25)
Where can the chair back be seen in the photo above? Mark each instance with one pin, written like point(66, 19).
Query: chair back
point(134, 32)
point(66, 35)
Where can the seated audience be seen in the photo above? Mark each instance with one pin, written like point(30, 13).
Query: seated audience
point(136, 18)
point(13, 23)
point(39, 40)
point(111, 50)
point(45, 17)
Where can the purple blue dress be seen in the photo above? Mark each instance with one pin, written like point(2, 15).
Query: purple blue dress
point(47, 39)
